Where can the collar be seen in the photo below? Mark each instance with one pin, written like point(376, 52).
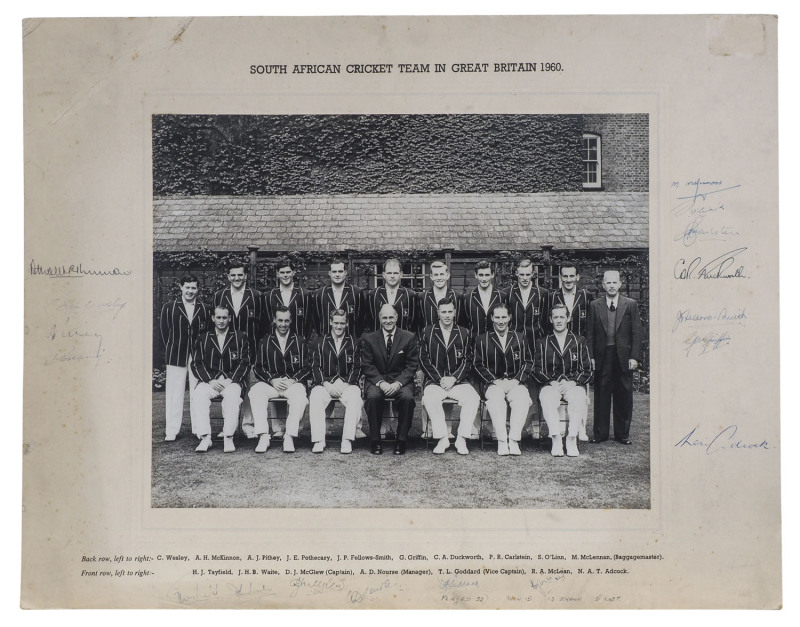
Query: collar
point(614, 300)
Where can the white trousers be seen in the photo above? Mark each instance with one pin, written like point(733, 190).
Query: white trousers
point(319, 401)
point(260, 395)
point(577, 406)
point(175, 393)
point(467, 398)
point(497, 404)
point(200, 399)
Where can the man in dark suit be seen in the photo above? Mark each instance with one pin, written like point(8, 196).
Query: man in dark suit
point(614, 334)
point(403, 299)
point(220, 361)
point(181, 321)
point(576, 300)
point(389, 360)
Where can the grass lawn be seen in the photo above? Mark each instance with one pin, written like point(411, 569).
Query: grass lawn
point(607, 475)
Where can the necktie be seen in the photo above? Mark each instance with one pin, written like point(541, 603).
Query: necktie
point(613, 307)
point(389, 344)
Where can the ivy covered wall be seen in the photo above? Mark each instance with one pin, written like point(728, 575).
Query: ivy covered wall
point(353, 154)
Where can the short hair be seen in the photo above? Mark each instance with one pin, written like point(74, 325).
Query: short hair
point(336, 261)
point(284, 262)
point(281, 309)
point(497, 306)
point(569, 264)
point(222, 306)
point(232, 265)
point(189, 278)
point(483, 265)
point(559, 306)
point(438, 264)
point(337, 312)
point(390, 261)
point(447, 300)
point(524, 263)
point(384, 306)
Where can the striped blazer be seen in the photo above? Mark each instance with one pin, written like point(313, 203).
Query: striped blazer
point(352, 303)
point(405, 304)
point(550, 363)
point(438, 359)
point(328, 365)
point(492, 362)
point(273, 363)
point(429, 311)
point(178, 332)
point(474, 316)
point(580, 309)
point(232, 360)
point(250, 319)
point(299, 305)
point(530, 318)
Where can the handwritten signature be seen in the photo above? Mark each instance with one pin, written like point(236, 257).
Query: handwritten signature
point(315, 586)
point(359, 596)
point(725, 440)
point(718, 268)
point(696, 232)
point(724, 316)
point(697, 344)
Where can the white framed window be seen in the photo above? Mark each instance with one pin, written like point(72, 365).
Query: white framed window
point(414, 275)
point(591, 153)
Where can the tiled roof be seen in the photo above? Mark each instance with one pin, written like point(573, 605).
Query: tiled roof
point(567, 220)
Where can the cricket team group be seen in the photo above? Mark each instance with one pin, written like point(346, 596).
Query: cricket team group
point(505, 348)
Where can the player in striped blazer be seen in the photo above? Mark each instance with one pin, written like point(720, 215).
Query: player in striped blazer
point(180, 322)
point(335, 370)
point(528, 305)
point(576, 300)
point(479, 301)
point(247, 316)
point(220, 361)
point(281, 370)
point(403, 299)
point(288, 293)
point(562, 366)
point(446, 360)
point(338, 295)
point(503, 364)
point(428, 306)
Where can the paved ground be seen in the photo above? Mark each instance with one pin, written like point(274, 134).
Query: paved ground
point(607, 475)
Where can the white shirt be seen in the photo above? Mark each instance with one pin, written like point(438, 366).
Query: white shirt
point(391, 296)
point(189, 307)
point(614, 300)
point(221, 338)
point(236, 299)
point(282, 341)
point(503, 339)
point(446, 334)
point(569, 299)
point(486, 297)
point(286, 295)
point(561, 338)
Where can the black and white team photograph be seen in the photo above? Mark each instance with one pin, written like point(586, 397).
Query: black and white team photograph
point(401, 311)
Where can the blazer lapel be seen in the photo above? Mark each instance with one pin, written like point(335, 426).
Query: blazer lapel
point(602, 313)
point(621, 306)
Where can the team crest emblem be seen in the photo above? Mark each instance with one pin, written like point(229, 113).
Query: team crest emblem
point(459, 354)
point(299, 311)
point(516, 354)
point(583, 314)
point(535, 311)
point(350, 309)
point(234, 355)
point(349, 359)
point(405, 313)
point(574, 356)
point(250, 311)
point(295, 359)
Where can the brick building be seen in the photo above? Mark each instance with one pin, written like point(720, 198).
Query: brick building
point(419, 187)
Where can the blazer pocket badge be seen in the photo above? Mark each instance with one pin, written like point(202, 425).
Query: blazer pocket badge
point(349, 359)
point(516, 355)
point(299, 312)
point(234, 355)
point(535, 311)
point(459, 354)
point(295, 359)
point(583, 313)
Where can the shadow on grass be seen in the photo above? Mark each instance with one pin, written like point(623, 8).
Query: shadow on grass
point(607, 475)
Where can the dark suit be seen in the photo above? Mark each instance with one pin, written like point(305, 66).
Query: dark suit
point(613, 380)
point(579, 313)
point(400, 366)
